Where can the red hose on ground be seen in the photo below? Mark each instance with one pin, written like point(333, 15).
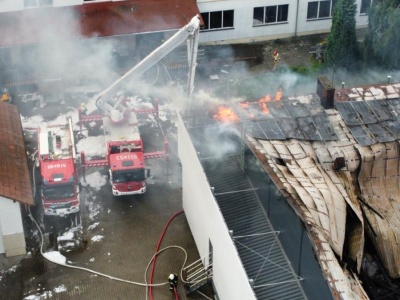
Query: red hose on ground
point(157, 249)
point(176, 294)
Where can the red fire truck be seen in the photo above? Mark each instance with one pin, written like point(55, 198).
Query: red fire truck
point(56, 159)
point(125, 156)
point(124, 150)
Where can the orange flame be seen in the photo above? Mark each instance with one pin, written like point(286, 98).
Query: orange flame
point(244, 104)
point(267, 98)
point(262, 101)
point(278, 95)
point(226, 114)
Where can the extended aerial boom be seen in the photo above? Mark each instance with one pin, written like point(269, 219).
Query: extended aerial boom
point(106, 100)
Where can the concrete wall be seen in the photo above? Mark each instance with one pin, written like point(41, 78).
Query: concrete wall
point(244, 31)
point(67, 2)
point(11, 5)
point(12, 238)
point(207, 225)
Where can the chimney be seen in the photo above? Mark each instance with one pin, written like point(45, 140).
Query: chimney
point(325, 91)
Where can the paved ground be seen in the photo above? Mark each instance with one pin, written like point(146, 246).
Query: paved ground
point(120, 234)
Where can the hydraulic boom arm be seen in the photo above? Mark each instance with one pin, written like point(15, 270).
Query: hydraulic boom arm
point(189, 32)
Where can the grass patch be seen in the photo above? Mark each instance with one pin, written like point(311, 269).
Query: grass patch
point(314, 68)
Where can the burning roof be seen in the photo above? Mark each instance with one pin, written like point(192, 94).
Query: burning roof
point(339, 168)
point(356, 171)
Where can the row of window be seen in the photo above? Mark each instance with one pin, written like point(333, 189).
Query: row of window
point(274, 14)
point(36, 3)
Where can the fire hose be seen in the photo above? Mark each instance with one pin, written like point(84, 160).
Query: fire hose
point(157, 251)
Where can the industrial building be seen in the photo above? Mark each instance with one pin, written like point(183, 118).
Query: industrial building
point(41, 29)
point(296, 192)
point(15, 185)
point(226, 21)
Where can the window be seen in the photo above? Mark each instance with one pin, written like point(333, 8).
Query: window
point(270, 14)
point(128, 175)
point(218, 20)
point(36, 3)
point(320, 9)
point(365, 5)
point(58, 191)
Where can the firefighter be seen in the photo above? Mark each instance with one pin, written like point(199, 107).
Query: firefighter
point(275, 59)
point(83, 109)
point(173, 281)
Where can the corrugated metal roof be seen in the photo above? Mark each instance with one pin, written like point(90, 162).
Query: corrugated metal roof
point(373, 121)
point(100, 19)
point(368, 92)
point(256, 241)
point(301, 118)
point(15, 182)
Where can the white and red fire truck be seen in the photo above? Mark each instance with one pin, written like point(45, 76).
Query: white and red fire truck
point(56, 159)
point(124, 150)
point(125, 156)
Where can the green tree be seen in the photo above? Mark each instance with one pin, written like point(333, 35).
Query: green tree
point(342, 48)
point(382, 41)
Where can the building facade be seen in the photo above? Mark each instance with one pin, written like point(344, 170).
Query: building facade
point(230, 21)
point(15, 183)
point(12, 238)
point(238, 21)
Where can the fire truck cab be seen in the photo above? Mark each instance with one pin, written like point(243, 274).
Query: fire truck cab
point(60, 193)
point(125, 157)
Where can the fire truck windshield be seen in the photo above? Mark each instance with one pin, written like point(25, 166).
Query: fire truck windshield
point(128, 176)
point(58, 191)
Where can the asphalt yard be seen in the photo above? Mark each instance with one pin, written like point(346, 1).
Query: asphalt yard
point(120, 236)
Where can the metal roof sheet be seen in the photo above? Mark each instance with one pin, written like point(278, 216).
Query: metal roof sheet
point(380, 110)
point(393, 127)
point(368, 92)
point(100, 19)
point(301, 119)
point(277, 109)
point(268, 129)
point(295, 108)
point(290, 128)
point(367, 116)
point(362, 135)
point(372, 121)
point(15, 182)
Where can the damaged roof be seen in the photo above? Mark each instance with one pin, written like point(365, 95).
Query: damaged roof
point(371, 112)
point(367, 126)
point(15, 183)
point(368, 92)
point(300, 118)
point(100, 19)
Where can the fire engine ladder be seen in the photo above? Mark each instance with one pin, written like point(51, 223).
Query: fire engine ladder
point(198, 274)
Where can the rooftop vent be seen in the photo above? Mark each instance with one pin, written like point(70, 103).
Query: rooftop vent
point(325, 91)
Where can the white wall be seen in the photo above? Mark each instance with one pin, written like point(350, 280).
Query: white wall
point(244, 31)
point(67, 2)
point(12, 231)
point(243, 21)
point(206, 223)
point(11, 5)
point(2, 249)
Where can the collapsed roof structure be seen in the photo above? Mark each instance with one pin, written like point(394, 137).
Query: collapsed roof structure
point(337, 163)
